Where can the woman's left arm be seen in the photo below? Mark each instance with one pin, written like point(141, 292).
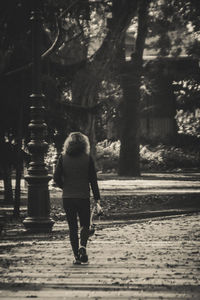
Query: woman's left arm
point(93, 180)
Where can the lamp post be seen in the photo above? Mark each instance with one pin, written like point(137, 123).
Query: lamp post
point(38, 219)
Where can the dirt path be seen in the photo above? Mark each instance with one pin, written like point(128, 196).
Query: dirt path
point(141, 260)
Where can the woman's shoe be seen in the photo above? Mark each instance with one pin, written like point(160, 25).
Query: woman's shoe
point(83, 255)
point(77, 261)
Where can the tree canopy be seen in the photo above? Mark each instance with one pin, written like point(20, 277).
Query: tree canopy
point(82, 51)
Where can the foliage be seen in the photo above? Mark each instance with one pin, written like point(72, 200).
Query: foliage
point(187, 93)
point(110, 97)
point(51, 156)
point(107, 155)
point(162, 157)
point(87, 21)
point(152, 158)
point(107, 148)
point(173, 26)
point(188, 122)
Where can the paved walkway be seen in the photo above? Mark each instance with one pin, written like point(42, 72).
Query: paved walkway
point(146, 259)
point(153, 194)
point(150, 183)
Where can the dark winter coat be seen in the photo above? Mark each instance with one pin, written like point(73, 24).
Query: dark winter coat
point(75, 174)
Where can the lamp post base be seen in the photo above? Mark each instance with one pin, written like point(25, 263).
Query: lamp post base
point(38, 219)
point(38, 225)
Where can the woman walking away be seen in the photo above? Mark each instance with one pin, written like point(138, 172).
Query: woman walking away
point(75, 174)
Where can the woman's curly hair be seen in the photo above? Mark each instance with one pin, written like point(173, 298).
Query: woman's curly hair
point(76, 143)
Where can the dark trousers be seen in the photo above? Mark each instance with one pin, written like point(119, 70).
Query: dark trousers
point(74, 208)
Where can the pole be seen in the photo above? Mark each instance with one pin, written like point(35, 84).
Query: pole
point(38, 219)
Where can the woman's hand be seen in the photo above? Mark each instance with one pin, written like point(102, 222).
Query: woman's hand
point(99, 209)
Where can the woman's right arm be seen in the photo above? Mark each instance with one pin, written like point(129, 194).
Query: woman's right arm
point(58, 173)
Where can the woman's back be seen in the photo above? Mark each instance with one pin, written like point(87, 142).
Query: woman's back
point(76, 176)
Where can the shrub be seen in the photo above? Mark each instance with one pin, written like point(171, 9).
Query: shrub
point(188, 123)
point(50, 157)
point(162, 157)
point(152, 158)
point(107, 155)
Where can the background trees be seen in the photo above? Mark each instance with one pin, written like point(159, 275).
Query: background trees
point(86, 77)
point(73, 72)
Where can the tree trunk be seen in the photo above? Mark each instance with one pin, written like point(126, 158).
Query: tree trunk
point(129, 152)
point(16, 212)
point(129, 164)
point(19, 163)
point(6, 168)
point(162, 103)
point(91, 133)
point(85, 93)
point(8, 193)
point(87, 82)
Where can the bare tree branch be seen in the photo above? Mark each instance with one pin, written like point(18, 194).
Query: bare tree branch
point(44, 55)
point(56, 41)
point(54, 45)
point(68, 8)
point(93, 109)
point(81, 108)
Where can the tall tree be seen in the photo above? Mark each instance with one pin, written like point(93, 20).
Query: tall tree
point(131, 76)
point(166, 22)
point(87, 82)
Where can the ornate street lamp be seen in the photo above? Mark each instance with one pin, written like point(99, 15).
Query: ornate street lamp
point(38, 219)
